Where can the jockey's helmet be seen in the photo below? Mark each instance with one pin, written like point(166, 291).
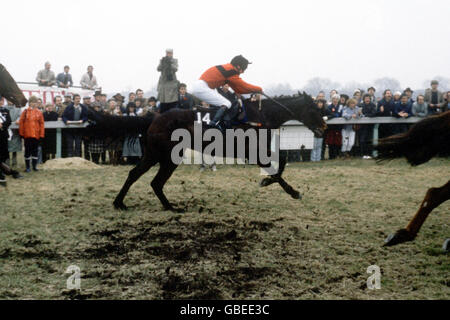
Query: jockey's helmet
point(241, 62)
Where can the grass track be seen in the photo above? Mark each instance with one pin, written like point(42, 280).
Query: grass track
point(235, 241)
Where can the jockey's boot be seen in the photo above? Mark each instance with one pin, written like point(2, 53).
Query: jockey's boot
point(218, 117)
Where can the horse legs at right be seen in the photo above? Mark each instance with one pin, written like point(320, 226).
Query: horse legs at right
point(433, 198)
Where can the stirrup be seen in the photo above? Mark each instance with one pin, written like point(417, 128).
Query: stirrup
point(216, 125)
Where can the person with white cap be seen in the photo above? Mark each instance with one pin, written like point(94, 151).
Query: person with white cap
point(168, 83)
point(357, 96)
point(397, 95)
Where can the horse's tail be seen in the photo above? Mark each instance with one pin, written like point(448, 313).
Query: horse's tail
point(423, 141)
point(115, 127)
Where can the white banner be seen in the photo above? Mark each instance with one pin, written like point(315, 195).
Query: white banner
point(47, 94)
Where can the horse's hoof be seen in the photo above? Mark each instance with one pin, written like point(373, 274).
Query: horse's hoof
point(266, 182)
point(296, 195)
point(446, 245)
point(175, 210)
point(120, 206)
point(263, 182)
point(400, 236)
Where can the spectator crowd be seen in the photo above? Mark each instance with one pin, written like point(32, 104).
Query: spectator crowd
point(344, 141)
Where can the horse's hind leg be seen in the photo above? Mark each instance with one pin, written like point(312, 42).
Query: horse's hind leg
point(291, 191)
point(143, 166)
point(166, 169)
point(433, 198)
point(277, 178)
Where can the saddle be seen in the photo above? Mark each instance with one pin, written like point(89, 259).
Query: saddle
point(235, 115)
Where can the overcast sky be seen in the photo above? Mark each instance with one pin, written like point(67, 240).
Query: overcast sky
point(287, 41)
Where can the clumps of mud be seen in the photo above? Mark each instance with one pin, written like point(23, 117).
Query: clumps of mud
point(186, 259)
point(69, 163)
point(29, 246)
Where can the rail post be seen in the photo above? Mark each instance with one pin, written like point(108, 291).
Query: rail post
point(58, 142)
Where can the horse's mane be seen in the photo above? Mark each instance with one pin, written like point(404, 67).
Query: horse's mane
point(423, 141)
point(297, 95)
point(292, 98)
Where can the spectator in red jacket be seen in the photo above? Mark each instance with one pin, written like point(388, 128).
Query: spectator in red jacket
point(31, 128)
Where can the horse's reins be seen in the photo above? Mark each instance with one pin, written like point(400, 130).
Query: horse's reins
point(278, 103)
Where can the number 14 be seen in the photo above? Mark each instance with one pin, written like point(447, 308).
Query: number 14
point(206, 118)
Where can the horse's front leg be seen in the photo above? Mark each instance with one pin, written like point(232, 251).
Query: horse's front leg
point(433, 198)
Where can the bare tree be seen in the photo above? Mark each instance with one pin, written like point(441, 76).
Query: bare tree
point(387, 83)
point(314, 85)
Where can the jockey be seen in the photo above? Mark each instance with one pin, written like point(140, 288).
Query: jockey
point(215, 77)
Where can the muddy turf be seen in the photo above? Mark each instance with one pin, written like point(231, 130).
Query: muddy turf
point(235, 241)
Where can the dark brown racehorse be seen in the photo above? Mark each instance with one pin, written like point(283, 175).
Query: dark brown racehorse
point(260, 115)
point(426, 139)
